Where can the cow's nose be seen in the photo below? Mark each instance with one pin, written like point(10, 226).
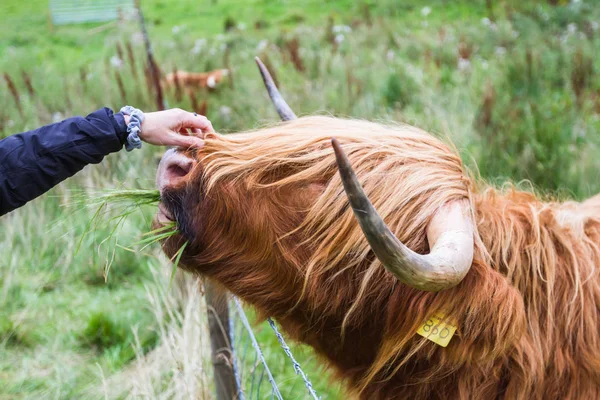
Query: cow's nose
point(173, 168)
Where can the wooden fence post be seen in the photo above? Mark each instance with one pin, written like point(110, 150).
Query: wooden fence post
point(154, 70)
point(220, 342)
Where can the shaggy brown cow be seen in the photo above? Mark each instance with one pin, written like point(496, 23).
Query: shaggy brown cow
point(195, 80)
point(266, 216)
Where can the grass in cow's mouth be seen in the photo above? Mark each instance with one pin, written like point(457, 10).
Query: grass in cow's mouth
point(157, 235)
point(126, 197)
point(160, 234)
point(113, 208)
point(177, 257)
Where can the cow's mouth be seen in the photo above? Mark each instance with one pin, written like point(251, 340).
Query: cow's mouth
point(172, 212)
point(164, 216)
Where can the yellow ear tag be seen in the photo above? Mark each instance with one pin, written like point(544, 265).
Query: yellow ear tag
point(438, 329)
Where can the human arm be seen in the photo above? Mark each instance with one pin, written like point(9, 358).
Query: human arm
point(33, 162)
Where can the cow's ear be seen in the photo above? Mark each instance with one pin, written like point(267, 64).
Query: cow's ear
point(492, 316)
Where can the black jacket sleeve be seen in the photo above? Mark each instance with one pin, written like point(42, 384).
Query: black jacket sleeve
point(33, 162)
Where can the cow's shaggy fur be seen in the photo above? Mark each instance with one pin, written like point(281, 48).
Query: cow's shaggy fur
point(268, 219)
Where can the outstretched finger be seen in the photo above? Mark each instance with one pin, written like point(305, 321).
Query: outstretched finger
point(196, 121)
point(186, 141)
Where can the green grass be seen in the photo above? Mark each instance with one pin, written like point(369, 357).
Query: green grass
point(523, 104)
point(76, 45)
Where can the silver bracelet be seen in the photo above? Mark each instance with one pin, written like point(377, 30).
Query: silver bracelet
point(136, 117)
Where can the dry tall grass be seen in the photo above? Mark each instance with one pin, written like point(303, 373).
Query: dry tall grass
point(179, 367)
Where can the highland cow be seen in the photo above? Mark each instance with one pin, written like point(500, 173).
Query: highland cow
point(195, 80)
point(288, 224)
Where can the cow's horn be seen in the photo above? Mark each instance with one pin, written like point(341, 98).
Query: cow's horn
point(284, 111)
point(450, 235)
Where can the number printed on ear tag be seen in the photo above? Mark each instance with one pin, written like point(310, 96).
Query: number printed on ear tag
point(438, 329)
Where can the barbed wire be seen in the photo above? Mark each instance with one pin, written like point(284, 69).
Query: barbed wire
point(297, 367)
point(260, 357)
point(236, 371)
point(244, 319)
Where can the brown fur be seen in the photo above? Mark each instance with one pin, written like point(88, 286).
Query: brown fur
point(268, 219)
point(195, 80)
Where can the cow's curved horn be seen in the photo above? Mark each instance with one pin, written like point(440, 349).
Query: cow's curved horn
point(284, 111)
point(450, 235)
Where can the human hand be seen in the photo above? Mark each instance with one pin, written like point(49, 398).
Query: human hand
point(174, 127)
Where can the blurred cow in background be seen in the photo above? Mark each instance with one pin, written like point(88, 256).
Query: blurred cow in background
point(195, 80)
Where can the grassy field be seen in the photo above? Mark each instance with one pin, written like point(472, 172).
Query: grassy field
point(515, 87)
